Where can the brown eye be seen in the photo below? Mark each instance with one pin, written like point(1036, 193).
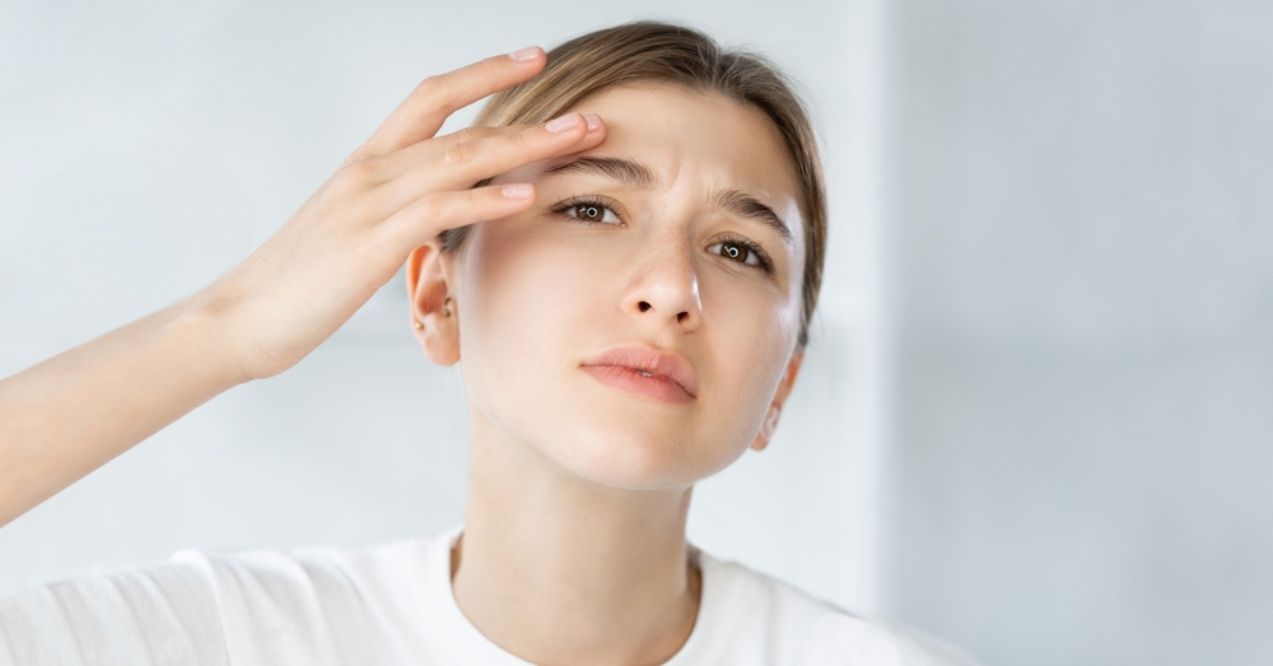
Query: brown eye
point(587, 211)
point(733, 249)
point(593, 211)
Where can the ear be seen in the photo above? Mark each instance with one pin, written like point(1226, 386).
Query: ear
point(780, 397)
point(428, 285)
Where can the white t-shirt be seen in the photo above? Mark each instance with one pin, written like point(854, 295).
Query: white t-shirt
point(392, 603)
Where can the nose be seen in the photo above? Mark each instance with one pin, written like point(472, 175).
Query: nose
point(666, 289)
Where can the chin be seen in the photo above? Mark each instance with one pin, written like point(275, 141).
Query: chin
point(629, 458)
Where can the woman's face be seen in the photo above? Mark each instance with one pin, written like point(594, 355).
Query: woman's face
point(539, 293)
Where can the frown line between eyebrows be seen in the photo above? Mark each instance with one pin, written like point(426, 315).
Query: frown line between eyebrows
point(638, 176)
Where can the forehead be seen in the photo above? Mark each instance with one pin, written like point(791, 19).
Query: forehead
point(691, 138)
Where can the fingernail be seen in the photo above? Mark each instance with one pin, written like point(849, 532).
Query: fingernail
point(594, 121)
point(518, 191)
point(563, 123)
point(525, 55)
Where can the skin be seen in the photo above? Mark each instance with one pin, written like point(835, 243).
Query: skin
point(574, 548)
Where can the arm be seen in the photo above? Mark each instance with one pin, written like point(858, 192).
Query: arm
point(73, 413)
point(70, 414)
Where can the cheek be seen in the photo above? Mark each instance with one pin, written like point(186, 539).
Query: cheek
point(552, 271)
point(521, 293)
point(747, 315)
point(528, 275)
point(749, 354)
point(749, 338)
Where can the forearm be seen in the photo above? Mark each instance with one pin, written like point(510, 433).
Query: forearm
point(72, 413)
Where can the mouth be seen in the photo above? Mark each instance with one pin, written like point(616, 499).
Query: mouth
point(640, 382)
point(647, 369)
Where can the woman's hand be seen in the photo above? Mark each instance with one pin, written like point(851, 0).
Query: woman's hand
point(397, 191)
point(70, 414)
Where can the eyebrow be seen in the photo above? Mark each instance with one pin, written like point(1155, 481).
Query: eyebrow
point(637, 175)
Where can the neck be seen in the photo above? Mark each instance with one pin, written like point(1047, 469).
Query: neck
point(558, 569)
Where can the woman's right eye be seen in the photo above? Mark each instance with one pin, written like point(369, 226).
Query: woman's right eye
point(588, 211)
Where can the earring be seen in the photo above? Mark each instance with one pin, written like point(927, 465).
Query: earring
point(446, 310)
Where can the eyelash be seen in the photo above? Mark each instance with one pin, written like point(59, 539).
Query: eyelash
point(564, 207)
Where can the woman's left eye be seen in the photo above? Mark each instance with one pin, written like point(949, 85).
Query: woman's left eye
point(736, 248)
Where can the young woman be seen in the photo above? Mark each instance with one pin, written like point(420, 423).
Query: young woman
point(624, 251)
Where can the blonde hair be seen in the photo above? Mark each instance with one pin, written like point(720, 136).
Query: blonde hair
point(665, 52)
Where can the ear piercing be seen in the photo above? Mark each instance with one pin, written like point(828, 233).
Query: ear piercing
point(446, 311)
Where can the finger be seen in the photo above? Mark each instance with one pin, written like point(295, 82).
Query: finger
point(464, 146)
point(461, 164)
point(426, 217)
point(423, 112)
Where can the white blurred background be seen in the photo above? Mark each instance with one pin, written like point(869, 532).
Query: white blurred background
point(1037, 406)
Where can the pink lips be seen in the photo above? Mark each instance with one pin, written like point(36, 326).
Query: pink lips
point(632, 380)
point(671, 377)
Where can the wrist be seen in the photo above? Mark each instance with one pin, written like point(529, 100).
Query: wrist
point(204, 321)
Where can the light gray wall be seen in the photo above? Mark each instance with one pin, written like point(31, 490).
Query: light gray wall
point(1079, 210)
point(1069, 431)
point(149, 147)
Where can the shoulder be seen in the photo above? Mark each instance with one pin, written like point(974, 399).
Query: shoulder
point(112, 617)
point(209, 606)
point(897, 643)
point(314, 604)
point(802, 628)
point(293, 585)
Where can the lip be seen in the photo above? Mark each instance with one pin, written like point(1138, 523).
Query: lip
point(628, 379)
point(619, 365)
